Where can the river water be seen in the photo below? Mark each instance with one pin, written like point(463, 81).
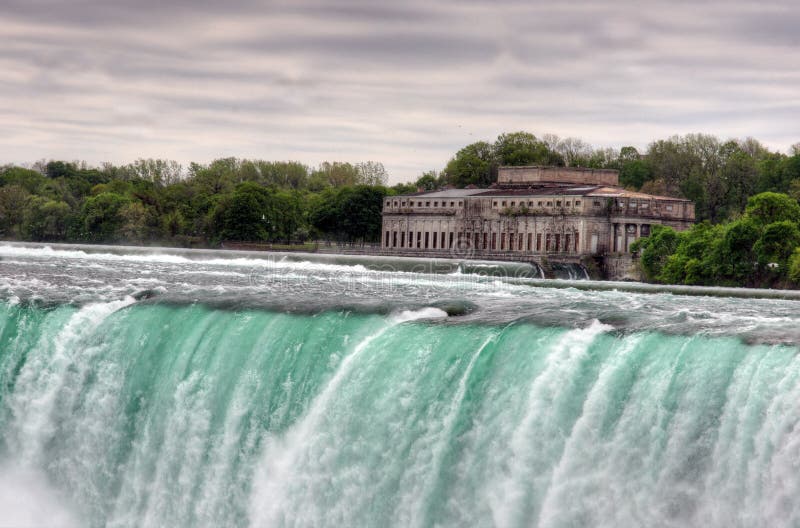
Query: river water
point(153, 387)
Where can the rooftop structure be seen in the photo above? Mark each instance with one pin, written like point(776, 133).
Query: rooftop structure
point(541, 175)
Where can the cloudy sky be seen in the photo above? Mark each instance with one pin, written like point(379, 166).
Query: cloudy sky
point(403, 83)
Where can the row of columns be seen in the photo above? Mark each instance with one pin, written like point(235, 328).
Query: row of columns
point(625, 234)
point(567, 242)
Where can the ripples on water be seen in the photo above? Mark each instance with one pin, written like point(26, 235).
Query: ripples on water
point(493, 293)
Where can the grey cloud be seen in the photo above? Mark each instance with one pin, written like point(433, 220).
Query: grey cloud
point(405, 83)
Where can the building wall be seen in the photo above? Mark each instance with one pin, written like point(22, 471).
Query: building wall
point(518, 176)
point(533, 225)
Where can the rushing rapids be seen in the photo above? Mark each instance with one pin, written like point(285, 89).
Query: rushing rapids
point(179, 388)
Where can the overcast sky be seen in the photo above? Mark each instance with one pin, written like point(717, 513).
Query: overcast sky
point(403, 83)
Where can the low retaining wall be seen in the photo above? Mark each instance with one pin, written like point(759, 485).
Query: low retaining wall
point(621, 267)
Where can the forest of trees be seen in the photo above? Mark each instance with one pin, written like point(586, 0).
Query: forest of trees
point(153, 201)
point(158, 201)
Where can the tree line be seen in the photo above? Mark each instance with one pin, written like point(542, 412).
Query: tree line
point(202, 205)
point(230, 199)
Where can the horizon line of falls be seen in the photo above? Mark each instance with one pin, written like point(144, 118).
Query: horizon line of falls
point(559, 408)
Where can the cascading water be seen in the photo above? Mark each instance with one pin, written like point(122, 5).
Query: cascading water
point(239, 393)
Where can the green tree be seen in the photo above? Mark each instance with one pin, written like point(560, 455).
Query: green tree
point(794, 266)
point(372, 173)
point(13, 202)
point(334, 174)
point(769, 207)
point(633, 174)
point(776, 243)
point(102, 218)
point(521, 148)
point(248, 214)
point(429, 181)
point(45, 220)
point(655, 250)
point(474, 164)
point(28, 179)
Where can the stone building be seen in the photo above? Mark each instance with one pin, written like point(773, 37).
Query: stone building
point(559, 212)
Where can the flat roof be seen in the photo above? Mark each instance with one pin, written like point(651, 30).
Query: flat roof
point(555, 190)
point(445, 193)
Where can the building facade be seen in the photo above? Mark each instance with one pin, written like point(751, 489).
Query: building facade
point(531, 211)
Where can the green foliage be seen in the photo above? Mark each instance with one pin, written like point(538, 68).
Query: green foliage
point(732, 260)
point(45, 219)
point(13, 201)
point(102, 218)
point(523, 148)
point(28, 179)
point(655, 250)
point(474, 164)
point(794, 266)
point(770, 207)
point(248, 214)
point(758, 249)
point(351, 214)
point(776, 243)
point(429, 181)
point(634, 173)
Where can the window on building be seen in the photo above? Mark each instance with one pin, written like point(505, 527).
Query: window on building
point(403, 204)
point(459, 203)
point(539, 203)
point(513, 204)
point(427, 204)
point(669, 207)
point(633, 204)
point(387, 204)
point(504, 203)
point(645, 205)
point(452, 204)
point(494, 204)
point(577, 203)
point(558, 203)
point(530, 204)
point(567, 204)
point(596, 203)
point(436, 204)
point(395, 204)
point(549, 204)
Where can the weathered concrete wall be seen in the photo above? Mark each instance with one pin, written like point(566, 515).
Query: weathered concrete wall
point(535, 174)
point(621, 267)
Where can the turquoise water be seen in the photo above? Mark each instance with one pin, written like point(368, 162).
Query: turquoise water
point(125, 412)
